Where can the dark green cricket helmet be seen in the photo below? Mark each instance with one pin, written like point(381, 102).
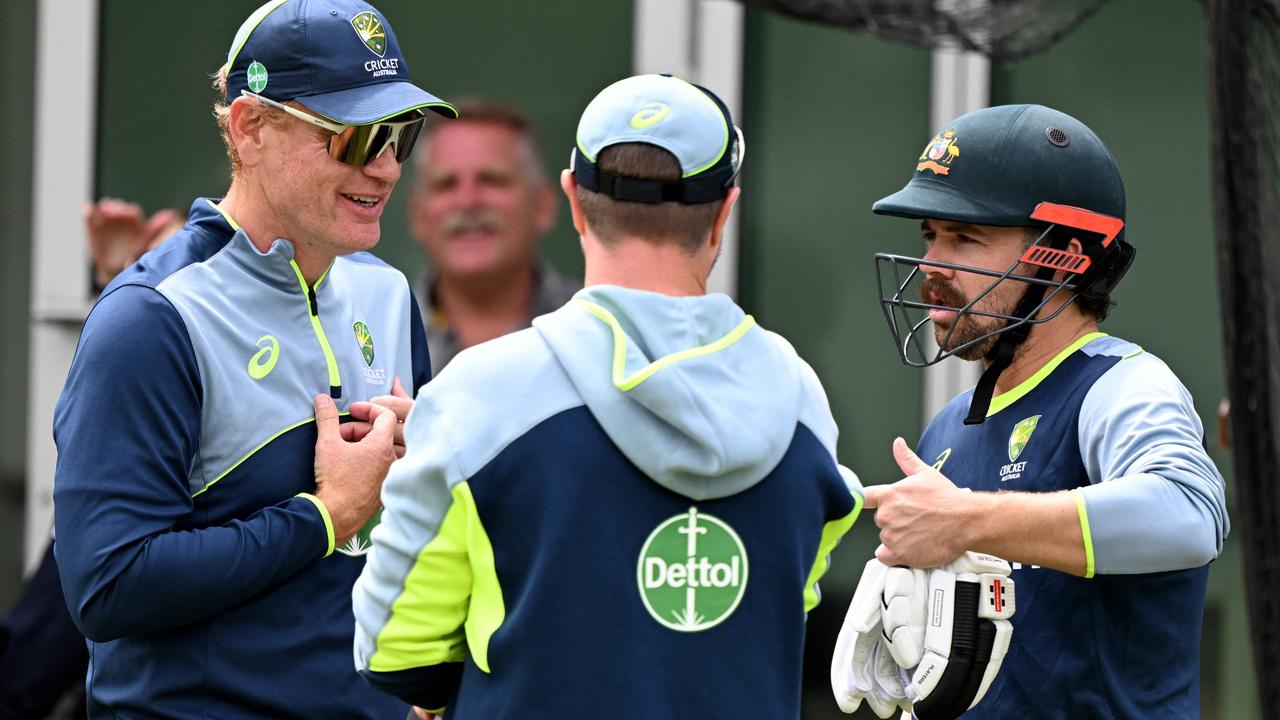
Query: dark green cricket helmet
point(1013, 166)
point(994, 166)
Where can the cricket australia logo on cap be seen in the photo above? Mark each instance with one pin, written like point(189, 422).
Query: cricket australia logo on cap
point(369, 28)
point(1018, 440)
point(256, 76)
point(692, 572)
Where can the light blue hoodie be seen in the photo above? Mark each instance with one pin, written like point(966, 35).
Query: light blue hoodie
point(638, 483)
point(724, 397)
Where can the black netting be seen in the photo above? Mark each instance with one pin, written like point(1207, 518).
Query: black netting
point(1244, 72)
point(1003, 29)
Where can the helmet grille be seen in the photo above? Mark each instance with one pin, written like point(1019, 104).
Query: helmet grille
point(1057, 136)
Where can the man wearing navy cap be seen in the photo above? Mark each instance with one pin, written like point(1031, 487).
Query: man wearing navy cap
point(1084, 452)
point(624, 510)
point(211, 513)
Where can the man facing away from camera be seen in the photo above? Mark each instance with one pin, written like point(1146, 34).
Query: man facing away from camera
point(210, 514)
point(642, 487)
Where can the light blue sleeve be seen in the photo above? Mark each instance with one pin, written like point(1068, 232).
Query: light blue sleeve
point(413, 598)
point(429, 595)
point(1156, 501)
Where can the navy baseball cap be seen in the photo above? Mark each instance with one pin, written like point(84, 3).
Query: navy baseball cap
point(684, 119)
point(338, 58)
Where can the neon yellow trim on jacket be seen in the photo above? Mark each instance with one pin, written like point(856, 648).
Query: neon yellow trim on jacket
point(335, 380)
point(323, 275)
point(254, 451)
point(620, 379)
point(488, 609)
point(1083, 511)
point(831, 534)
point(324, 513)
point(1005, 399)
point(225, 216)
point(452, 601)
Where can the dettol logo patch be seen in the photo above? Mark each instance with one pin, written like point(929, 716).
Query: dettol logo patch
point(256, 76)
point(692, 572)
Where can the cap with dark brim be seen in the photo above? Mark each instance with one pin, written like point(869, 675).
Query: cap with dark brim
point(375, 103)
point(924, 198)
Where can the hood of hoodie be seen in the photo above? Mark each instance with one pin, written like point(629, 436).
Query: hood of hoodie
point(701, 399)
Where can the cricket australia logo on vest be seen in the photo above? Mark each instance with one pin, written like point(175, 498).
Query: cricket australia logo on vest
point(364, 338)
point(692, 572)
point(1018, 440)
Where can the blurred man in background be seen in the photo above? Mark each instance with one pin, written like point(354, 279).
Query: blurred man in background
point(481, 205)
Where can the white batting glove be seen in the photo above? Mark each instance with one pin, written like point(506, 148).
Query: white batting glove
point(862, 667)
point(926, 641)
point(951, 625)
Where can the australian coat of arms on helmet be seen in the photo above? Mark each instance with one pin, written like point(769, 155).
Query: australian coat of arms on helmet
point(939, 153)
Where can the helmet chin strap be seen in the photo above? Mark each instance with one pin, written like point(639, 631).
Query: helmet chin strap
point(1006, 345)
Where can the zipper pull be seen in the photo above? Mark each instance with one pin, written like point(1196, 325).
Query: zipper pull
point(311, 298)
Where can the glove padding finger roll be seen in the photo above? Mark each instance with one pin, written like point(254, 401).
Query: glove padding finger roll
point(966, 635)
point(906, 605)
point(862, 667)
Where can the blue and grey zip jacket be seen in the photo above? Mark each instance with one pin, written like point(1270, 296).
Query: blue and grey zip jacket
point(192, 554)
point(621, 512)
